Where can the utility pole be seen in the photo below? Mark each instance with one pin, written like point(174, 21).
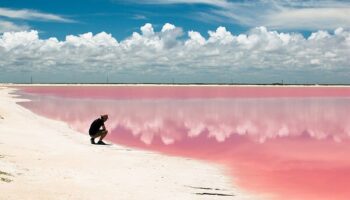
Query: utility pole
point(107, 78)
point(31, 79)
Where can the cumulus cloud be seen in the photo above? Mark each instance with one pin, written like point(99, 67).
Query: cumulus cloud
point(171, 51)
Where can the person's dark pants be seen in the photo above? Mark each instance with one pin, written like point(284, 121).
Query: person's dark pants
point(99, 134)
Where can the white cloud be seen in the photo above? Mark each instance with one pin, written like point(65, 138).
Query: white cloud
point(168, 27)
point(309, 18)
point(319, 35)
point(6, 26)
point(168, 52)
point(31, 15)
point(147, 30)
point(139, 17)
point(281, 15)
point(196, 39)
point(89, 40)
point(11, 40)
point(288, 15)
point(219, 3)
point(221, 35)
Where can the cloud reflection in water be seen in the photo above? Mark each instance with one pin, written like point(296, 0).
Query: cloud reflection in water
point(293, 148)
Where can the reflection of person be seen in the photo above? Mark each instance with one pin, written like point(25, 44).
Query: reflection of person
point(96, 131)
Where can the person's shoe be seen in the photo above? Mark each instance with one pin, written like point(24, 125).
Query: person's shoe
point(101, 142)
point(92, 141)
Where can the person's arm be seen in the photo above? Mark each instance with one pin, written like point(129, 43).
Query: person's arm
point(104, 128)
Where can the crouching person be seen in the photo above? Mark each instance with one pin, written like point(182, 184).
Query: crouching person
point(98, 129)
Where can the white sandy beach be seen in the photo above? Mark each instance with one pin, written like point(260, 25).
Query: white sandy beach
point(45, 159)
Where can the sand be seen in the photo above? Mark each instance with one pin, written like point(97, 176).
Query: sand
point(45, 159)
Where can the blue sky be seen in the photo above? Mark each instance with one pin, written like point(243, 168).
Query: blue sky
point(259, 41)
point(118, 17)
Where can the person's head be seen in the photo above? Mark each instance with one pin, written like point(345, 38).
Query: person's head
point(104, 117)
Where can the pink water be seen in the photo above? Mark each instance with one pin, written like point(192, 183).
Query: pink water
point(290, 143)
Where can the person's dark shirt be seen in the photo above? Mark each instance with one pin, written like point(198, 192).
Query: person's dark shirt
point(95, 126)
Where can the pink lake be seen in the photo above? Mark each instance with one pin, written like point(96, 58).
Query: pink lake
point(291, 143)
